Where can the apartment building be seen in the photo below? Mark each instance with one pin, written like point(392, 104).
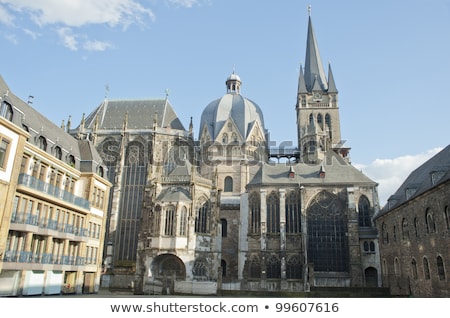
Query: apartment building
point(53, 202)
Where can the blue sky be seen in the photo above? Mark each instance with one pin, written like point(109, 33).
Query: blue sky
point(390, 61)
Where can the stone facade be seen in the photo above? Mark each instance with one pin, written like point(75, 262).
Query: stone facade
point(414, 232)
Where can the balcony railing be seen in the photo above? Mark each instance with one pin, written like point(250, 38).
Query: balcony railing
point(27, 218)
point(44, 258)
point(39, 185)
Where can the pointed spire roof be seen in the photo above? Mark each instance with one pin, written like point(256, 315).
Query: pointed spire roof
point(313, 62)
point(331, 85)
point(301, 82)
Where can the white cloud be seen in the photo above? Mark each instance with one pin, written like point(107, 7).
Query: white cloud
point(69, 40)
point(5, 17)
point(391, 173)
point(78, 13)
point(96, 45)
point(183, 3)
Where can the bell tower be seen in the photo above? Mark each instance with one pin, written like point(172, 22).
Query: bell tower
point(317, 107)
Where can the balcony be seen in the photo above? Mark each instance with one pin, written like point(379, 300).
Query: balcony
point(47, 188)
point(44, 258)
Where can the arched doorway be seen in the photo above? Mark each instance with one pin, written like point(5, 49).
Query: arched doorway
point(168, 268)
point(371, 276)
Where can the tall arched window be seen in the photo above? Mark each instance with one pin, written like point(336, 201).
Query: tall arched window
point(224, 224)
point(169, 225)
point(405, 230)
point(293, 212)
point(255, 268)
point(273, 213)
point(183, 221)
point(254, 204)
point(320, 120)
point(385, 233)
point(327, 234)
point(414, 268)
point(440, 268)
point(426, 268)
point(273, 267)
point(447, 217)
point(416, 227)
point(228, 184)
point(431, 226)
point(293, 268)
point(397, 267)
point(202, 218)
point(364, 210)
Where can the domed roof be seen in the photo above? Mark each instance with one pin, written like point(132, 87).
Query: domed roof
point(241, 110)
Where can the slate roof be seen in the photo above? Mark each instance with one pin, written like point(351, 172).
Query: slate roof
point(337, 171)
point(174, 194)
point(141, 114)
point(430, 174)
point(28, 118)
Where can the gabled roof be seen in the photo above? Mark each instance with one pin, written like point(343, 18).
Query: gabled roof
point(430, 174)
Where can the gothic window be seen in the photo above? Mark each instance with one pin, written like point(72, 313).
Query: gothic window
point(311, 118)
point(320, 120)
point(396, 267)
point(200, 269)
point(134, 154)
point(394, 233)
point(440, 268)
point(328, 121)
point(156, 220)
point(273, 213)
point(183, 221)
point(327, 234)
point(202, 218)
point(416, 227)
point(255, 268)
point(225, 138)
point(223, 264)
point(6, 111)
point(431, 226)
point(426, 268)
point(273, 267)
point(405, 230)
point(169, 222)
point(293, 268)
point(372, 246)
point(224, 224)
point(42, 143)
point(364, 210)
point(110, 151)
point(414, 268)
point(255, 213)
point(447, 217)
point(228, 184)
point(293, 212)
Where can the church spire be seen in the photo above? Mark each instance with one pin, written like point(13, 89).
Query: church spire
point(313, 62)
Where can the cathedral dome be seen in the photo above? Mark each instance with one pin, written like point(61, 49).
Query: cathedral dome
point(242, 111)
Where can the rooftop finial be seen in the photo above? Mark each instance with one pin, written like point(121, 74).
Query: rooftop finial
point(309, 10)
